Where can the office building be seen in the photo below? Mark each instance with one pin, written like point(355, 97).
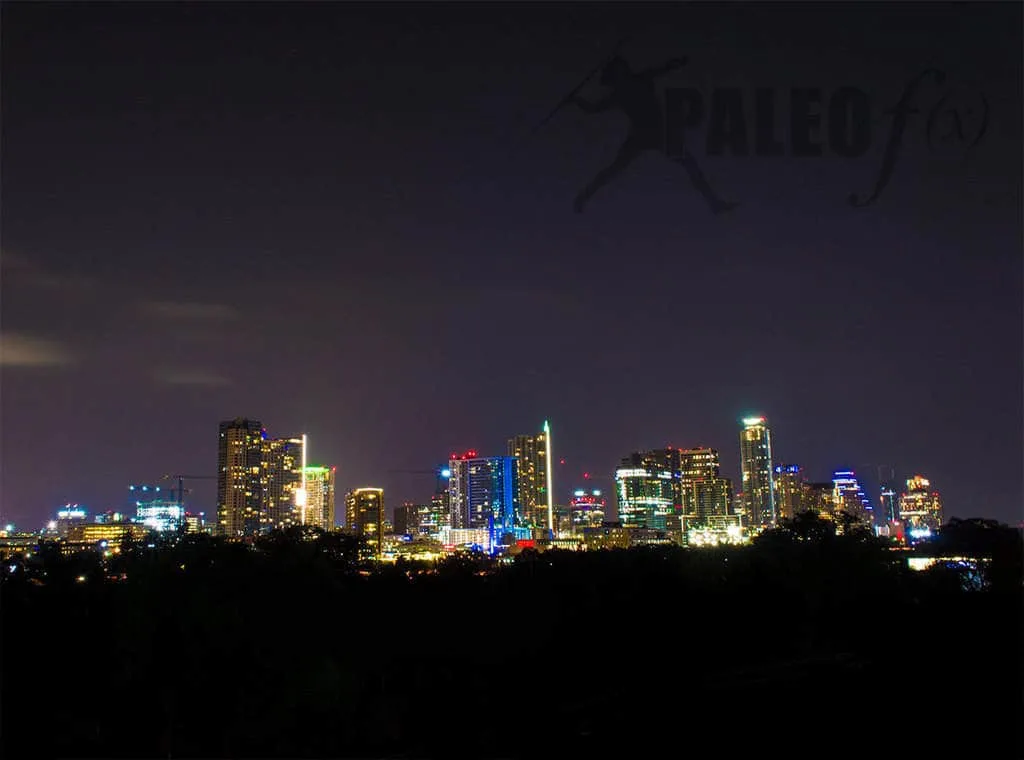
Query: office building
point(239, 474)
point(157, 509)
point(586, 510)
point(789, 490)
point(196, 523)
point(105, 536)
point(920, 508)
point(848, 497)
point(889, 504)
point(711, 499)
point(364, 516)
point(756, 467)
point(703, 492)
point(534, 477)
point(647, 491)
point(319, 510)
point(110, 516)
point(473, 539)
point(69, 516)
point(888, 498)
point(482, 494)
point(434, 516)
point(406, 518)
point(282, 483)
point(818, 498)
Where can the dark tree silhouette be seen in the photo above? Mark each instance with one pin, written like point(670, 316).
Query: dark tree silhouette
point(295, 647)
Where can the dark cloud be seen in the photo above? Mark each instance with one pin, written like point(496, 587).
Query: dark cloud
point(29, 351)
point(193, 377)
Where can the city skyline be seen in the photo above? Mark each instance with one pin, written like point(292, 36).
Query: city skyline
point(703, 490)
point(345, 220)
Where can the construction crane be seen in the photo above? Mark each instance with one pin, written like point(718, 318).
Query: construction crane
point(181, 485)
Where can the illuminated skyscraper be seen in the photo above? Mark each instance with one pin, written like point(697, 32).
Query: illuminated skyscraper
point(789, 490)
point(482, 493)
point(534, 476)
point(364, 516)
point(587, 510)
point(281, 482)
point(703, 492)
point(888, 502)
point(920, 508)
point(849, 497)
point(712, 499)
point(239, 488)
point(433, 518)
point(647, 491)
point(756, 466)
point(817, 497)
point(320, 497)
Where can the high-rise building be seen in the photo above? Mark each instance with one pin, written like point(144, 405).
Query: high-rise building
point(319, 510)
point(756, 466)
point(889, 504)
point(703, 492)
point(848, 497)
point(434, 516)
point(647, 491)
point(157, 509)
point(587, 510)
point(534, 474)
point(712, 499)
point(281, 480)
point(406, 521)
point(239, 488)
point(364, 516)
point(68, 517)
point(817, 497)
point(482, 494)
point(888, 500)
point(920, 508)
point(789, 490)
point(195, 523)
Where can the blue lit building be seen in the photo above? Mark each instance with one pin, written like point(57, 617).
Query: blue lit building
point(482, 495)
point(849, 497)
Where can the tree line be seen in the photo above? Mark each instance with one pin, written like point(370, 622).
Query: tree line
point(807, 641)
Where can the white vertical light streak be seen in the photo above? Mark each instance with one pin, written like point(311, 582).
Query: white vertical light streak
point(303, 478)
point(550, 466)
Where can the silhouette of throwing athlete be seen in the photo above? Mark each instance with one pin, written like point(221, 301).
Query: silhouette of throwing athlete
point(634, 94)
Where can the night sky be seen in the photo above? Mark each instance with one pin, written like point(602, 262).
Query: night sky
point(336, 219)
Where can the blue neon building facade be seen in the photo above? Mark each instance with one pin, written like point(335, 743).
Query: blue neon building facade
point(848, 496)
point(483, 493)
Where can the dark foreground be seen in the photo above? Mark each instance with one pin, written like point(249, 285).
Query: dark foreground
point(826, 647)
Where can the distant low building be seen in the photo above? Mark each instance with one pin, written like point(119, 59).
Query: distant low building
point(17, 544)
point(69, 516)
point(103, 536)
point(461, 538)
